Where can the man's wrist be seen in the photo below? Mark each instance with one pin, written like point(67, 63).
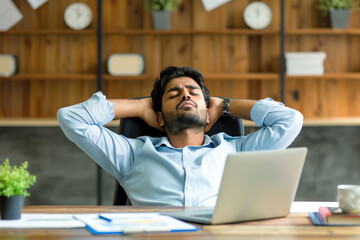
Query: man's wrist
point(226, 107)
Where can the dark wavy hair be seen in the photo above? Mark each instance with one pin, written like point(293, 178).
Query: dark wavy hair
point(170, 73)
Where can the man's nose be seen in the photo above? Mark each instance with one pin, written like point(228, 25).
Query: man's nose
point(185, 95)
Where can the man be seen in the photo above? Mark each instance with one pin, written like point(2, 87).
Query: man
point(184, 168)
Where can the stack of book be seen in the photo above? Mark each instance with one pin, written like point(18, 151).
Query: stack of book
point(305, 63)
point(334, 216)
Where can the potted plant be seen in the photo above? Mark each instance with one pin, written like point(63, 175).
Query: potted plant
point(339, 11)
point(161, 12)
point(14, 182)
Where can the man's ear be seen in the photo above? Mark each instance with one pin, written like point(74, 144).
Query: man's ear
point(207, 116)
point(160, 119)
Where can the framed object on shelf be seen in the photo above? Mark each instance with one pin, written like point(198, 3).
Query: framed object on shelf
point(7, 65)
point(9, 15)
point(35, 4)
point(305, 63)
point(125, 64)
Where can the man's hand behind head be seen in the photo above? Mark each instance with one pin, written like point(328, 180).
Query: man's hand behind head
point(148, 114)
point(214, 111)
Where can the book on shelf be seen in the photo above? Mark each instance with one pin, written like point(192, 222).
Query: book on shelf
point(334, 216)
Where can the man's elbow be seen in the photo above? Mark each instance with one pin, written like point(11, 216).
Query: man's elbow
point(297, 120)
point(62, 115)
point(66, 119)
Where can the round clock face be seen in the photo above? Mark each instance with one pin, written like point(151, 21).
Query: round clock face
point(257, 15)
point(78, 16)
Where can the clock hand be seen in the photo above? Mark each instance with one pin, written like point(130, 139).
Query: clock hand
point(78, 12)
point(257, 10)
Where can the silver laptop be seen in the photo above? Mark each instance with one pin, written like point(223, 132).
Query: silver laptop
point(255, 185)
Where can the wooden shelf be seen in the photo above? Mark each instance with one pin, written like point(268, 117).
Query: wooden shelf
point(50, 76)
point(189, 32)
point(48, 32)
point(212, 76)
point(140, 32)
point(323, 122)
point(28, 122)
point(74, 76)
point(242, 76)
point(322, 31)
point(128, 78)
point(349, 76)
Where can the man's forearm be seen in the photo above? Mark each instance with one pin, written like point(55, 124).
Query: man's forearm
point(127, 108)
point(141, 108)
point(241, 108)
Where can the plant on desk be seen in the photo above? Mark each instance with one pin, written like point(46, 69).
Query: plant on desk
point(14, 182)
point(339, 11)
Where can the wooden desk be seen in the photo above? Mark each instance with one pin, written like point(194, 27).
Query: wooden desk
point(295, 226)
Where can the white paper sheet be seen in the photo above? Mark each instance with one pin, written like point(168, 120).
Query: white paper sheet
point(36, 3)
point(212, 4)
point(9, 15)
point(37, 220)
point(304, 206)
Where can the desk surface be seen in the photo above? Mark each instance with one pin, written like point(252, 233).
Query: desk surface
point(295, 226)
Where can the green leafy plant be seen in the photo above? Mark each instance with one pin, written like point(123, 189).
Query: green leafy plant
point(326, 6)
point(162, 5)
point(15, 181)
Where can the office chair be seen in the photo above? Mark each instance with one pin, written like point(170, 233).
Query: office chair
point(135, 127)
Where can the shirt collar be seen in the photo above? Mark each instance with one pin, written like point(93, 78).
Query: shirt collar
point(164, 141)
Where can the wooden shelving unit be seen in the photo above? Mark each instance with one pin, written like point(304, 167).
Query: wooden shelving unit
point(333, 95)
point(58, 66)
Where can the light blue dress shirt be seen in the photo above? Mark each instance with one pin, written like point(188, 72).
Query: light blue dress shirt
point(152, 172)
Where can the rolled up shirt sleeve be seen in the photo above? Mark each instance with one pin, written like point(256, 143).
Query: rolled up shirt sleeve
point(83, 124)
point(279, 124)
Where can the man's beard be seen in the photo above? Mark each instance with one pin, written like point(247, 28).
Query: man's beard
point(175, 124)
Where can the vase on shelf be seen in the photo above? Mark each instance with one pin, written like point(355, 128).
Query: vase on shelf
point(161, 19)
point(339, 18)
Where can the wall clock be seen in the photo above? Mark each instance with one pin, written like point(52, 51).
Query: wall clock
point(78, 16)
point(257, 15)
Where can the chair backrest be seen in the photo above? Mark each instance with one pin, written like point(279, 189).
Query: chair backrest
point(135, 127)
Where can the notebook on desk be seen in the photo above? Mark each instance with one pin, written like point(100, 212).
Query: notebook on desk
point(255, 185)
